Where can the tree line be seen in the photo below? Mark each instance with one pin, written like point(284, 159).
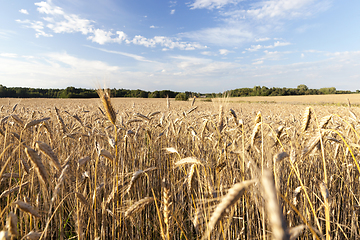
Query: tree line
point(72, 92)
point(300, 90)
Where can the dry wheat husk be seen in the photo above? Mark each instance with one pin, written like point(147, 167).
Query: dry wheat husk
point(33, 235)
point(135, 177)
point(46, 149)
point(36, 160)
point(23, 206)
point(306, 119)
point(35, 122)
point(188, 160)
point(4, 235)
point(14, 189)
point(138, 206)
point(83, 161)
point(60, 120)
point(11, 224)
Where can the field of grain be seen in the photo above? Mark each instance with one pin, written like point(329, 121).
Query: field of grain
point(335, 99)
point(165, 169)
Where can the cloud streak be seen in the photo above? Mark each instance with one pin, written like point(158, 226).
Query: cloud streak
point(134, 56)
point(211, 4)
point(241, 23)
point(60, 69)
point(255, 48)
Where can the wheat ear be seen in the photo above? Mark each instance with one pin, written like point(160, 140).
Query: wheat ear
point(46, 149)
point(257, 118)
point(138, 206)
point(36, 160)
point(25, 207)
point(167, 205)
point(35, 122)
point(33, 235)
point(230, 199)
point(105, 99)
point(306, 119)
point(60, 120)
point(221, 119)
point(135, 177)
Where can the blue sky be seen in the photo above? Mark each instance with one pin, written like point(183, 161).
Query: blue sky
point(191, 45)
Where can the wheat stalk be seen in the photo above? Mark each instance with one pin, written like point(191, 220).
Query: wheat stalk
point(277, 222)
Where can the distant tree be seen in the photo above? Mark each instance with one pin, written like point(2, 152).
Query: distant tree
point(302, 88)
point(181, 97)
point(330, 90)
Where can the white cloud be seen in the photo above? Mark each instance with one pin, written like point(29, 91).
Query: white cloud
point(9, 55)
point(262, 39)
point(54, 70)
point(258, 62)
point(220, 35)
point(240, 23)
point(306, 27)
point(58, 21)
point(287, 8)
point(208, 53)
point(38, 26)
point(224, 52)
point(61, 22)
point(164, 42)
point(172, 3)
point(172, 11)
point(45, 7)
point(152, 26)
point(59, 70)
point(188, 64)
point(81, 64)
point(24, 11)
point(101, 37)
point(72, 23)
point(211, 4)
point(281, 44)
point(254, 48)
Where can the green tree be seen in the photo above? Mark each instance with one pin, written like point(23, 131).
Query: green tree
point(181, 97)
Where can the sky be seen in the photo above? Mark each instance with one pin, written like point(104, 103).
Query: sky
point(192, 45)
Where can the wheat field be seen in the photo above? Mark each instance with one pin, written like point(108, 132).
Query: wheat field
point(164, 169)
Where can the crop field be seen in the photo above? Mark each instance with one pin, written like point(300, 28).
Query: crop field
point(163, 169)
point(330, 99)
